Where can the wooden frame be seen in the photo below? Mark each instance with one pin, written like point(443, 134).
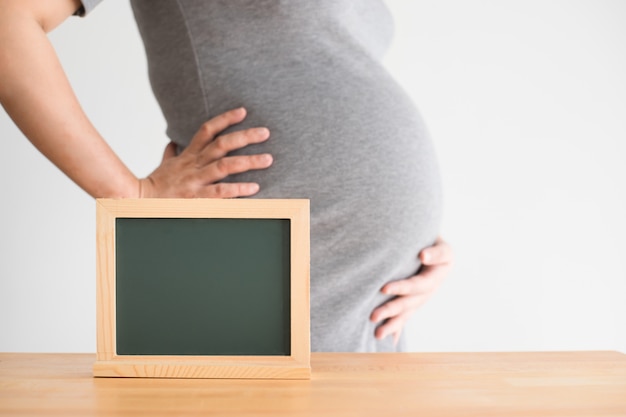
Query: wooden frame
point(296, 365)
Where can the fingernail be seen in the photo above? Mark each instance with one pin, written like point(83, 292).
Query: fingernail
point(262, 131)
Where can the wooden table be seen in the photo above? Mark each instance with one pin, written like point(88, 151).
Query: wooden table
point(343, 384)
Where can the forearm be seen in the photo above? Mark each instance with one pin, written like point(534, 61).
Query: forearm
point(36, 94)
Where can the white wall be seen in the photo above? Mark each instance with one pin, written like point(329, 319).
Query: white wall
point(526, 103)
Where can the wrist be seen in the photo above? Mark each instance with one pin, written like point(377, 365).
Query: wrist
point(129, 187)
point(145, 188)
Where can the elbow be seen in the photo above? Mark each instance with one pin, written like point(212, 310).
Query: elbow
point(47, 15)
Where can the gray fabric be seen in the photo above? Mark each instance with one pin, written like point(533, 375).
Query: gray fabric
point(343, 134)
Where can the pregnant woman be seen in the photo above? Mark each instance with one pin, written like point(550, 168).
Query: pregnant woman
point(292, 101)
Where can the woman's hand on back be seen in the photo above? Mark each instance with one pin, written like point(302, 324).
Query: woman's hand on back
point(196, 172)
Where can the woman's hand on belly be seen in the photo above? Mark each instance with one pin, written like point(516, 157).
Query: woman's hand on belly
point(412, 292)
point(196, 172)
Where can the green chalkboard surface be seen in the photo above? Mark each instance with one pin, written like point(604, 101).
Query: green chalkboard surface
point(202, 286)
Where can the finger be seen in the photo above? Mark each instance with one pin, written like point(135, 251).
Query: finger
point(396, 336)
point(213, 127)
point(170, 151)
point(391, 326)
point(394, 307)
point(229, 190)
point(439, 253)
point(229, 165)
point(222, 145)
point(426, 281)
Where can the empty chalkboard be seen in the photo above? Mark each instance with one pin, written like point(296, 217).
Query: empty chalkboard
point(203, 288)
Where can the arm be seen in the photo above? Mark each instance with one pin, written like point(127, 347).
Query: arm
point(38, 97)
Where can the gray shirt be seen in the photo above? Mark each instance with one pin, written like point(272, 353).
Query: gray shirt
point(343, 134)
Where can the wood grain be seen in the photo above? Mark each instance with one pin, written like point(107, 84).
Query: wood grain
point(534, 384)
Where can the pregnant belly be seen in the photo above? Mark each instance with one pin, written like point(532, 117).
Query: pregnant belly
point(358, 149)
point(363, 157)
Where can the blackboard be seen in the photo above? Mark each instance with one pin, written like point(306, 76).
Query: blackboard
point(202, 288)
point(180, 290)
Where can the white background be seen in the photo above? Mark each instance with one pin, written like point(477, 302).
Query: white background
point(526, 102)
